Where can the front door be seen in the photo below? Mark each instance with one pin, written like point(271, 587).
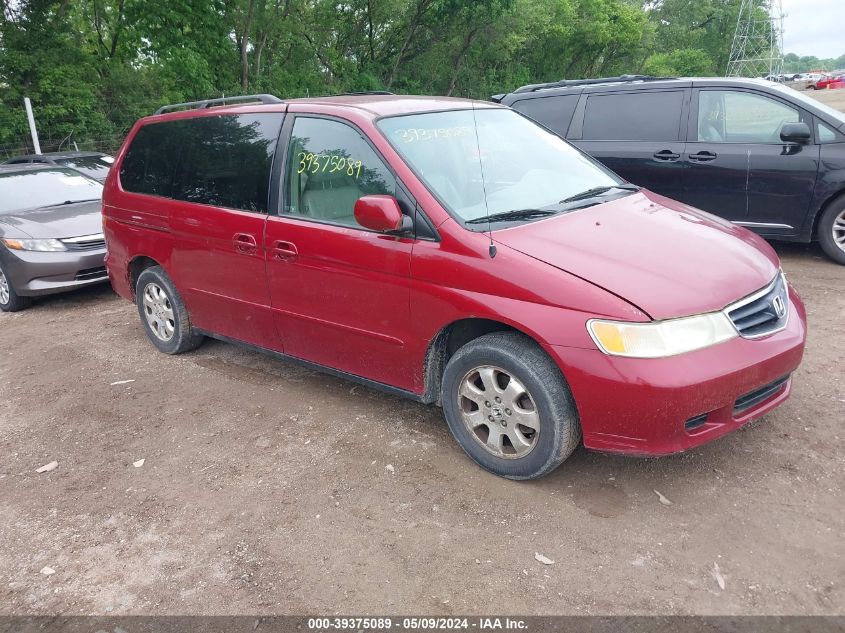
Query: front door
point(739, 168)
point(340, 293)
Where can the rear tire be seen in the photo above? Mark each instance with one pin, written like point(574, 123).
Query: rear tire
point(11, 301)
point(831, 231)
point(509, 407)
point(163, 313)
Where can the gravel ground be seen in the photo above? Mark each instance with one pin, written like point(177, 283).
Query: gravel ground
point(266, 488)
point(833, 98)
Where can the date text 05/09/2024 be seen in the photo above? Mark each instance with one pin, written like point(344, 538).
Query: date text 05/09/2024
point(416, 624)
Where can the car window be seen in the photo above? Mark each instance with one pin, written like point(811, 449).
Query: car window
point(825, 134)
point(553, 112)
point(45, 187)
point(330, 165)
point(727, 116)
point(222, 160)
point(633, 116)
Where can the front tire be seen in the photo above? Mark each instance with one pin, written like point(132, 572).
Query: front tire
point(11, 301)
point(831, 231)
point(509, 407)
point(163, 313)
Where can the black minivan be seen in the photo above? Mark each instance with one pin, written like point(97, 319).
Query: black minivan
point(755, 152)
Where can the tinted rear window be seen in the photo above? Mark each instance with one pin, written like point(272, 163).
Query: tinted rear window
point(553, 112)
point(222, 161)
point(633, 116)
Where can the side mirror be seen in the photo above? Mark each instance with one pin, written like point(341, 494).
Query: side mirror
point(381, 213)
point(795, 133)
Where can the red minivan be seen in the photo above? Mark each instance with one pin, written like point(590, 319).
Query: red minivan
point(457, 253)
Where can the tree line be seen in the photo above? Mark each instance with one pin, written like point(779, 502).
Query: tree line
point(91, 67)
point(793, 63)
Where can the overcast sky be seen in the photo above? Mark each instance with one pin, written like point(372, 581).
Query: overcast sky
point(814, 27)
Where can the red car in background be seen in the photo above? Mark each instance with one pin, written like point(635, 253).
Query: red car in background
point(456, 253)
point(831, 81)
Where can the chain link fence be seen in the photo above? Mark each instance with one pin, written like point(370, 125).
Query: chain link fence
point(105, 144)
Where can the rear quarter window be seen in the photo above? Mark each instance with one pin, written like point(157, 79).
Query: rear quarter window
point(553, 112)
point(633, 116)
point(223, 161)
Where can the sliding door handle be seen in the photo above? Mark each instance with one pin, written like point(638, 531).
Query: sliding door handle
point(666, 156)
point(245, 244)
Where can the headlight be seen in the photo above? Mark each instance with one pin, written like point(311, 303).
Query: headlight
point(661, 338)
point(49, 245)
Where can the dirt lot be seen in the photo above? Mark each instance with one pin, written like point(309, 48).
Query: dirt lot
point(265, 489)
point(833, 98)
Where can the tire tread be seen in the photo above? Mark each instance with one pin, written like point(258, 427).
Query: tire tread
point(525, 350)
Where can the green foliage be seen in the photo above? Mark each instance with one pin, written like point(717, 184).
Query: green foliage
point(792, 63)
point(92, 67)
point(684, 62)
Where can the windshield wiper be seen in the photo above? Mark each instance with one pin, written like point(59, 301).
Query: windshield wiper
point(515, 214)
point(67, 202)
point(597, 191)
point(75, 202)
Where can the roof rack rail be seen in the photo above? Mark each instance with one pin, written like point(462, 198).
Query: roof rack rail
point(207, 103)
point(365, 92)
point(564, 83)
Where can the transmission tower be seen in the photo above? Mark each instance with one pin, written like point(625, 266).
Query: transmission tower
point(757, 49)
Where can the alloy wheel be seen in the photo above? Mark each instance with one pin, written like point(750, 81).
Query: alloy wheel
point(839, 230)
point(4, 288)
point(159, 312)
point(499, 412)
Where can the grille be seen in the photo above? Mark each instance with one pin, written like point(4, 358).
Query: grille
point(87, 274)
point(752, 399)
point(697, 421)
point(84, 243)
point(764, 312)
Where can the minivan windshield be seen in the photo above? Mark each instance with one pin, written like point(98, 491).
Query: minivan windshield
point(524, 171)
point(30, 189)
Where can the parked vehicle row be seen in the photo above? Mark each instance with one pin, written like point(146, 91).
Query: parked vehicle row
point(456, 253)
point(756, 153)
point(829, 81)
point(811, 77)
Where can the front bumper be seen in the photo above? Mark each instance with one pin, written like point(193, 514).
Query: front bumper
point(660, 406)
point(34, 273)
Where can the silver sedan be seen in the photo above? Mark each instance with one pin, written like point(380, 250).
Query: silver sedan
point(51, 234)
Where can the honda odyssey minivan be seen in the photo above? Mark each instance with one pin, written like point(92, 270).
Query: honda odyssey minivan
point(459, 254)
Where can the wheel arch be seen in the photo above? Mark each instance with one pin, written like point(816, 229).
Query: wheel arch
point(137, 265)
point(452, 337)
point(823, 207)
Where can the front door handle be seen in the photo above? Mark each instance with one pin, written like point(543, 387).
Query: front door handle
point(284, 251)
point(245, 244)
point(703, 157)
point(666, 156)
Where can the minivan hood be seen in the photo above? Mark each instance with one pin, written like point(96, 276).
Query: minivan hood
point(72, 220)
point(666, 258)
